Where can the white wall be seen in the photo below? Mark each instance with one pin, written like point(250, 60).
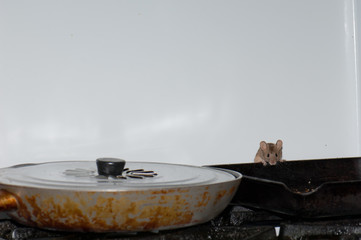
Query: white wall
point(192, 81)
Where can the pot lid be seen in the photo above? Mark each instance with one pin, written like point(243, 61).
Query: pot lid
point(84, 175)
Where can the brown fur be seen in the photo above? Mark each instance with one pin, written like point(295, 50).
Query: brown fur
point(269, 153)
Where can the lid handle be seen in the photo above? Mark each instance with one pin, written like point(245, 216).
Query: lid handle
point(110, 166)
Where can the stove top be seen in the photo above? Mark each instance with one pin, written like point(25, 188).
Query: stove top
point(236, 222)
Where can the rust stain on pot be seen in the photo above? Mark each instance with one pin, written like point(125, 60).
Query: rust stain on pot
point(183, 190)
point(231, 191)
point(220, 195)
point(8, 201)
point(107, 212)
point(163, 191)
point(203, 202)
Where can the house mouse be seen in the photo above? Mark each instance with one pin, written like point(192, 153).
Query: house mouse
point(269, 153)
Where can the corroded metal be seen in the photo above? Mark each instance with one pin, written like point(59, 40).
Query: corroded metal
point(71, 196)
point(8, 201)
point(121, 211)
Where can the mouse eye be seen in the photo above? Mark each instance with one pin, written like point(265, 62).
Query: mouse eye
point(267, 155)
point(276, 155)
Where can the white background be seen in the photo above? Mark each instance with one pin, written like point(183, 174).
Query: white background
point(192, 81)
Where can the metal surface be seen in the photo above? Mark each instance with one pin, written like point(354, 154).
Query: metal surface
point(83, 176)
point(116, 205)
point(308, 189)
point(8, 201)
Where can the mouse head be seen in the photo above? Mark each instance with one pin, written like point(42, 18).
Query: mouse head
point(272, 153)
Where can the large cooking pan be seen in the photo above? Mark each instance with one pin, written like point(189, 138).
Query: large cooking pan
point(90, 196)
point(306, 188)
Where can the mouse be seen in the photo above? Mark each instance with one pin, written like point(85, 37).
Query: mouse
point(269, 153)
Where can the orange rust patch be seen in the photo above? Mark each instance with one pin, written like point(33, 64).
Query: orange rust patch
point(204, 201)
point(106, 211)
point(163, 191)
point(183, 190)
point(232, 190)
point(7, 201)
point(219, 196)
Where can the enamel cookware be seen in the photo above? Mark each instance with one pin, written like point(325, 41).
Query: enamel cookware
point(106, 196)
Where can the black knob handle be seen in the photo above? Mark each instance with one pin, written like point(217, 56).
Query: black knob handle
point(110, 166)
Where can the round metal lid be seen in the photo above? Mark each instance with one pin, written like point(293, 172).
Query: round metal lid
point(83, 175)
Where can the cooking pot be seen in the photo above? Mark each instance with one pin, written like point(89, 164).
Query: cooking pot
point(101, 196)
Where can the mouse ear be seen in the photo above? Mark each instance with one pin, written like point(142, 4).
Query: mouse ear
point(279, 144)
point(263, 145)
